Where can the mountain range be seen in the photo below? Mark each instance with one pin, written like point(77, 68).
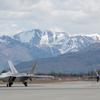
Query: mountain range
point(54, 51)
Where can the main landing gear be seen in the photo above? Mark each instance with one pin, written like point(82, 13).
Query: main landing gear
point(9, 84)
point(25, 84)
point(10, 81)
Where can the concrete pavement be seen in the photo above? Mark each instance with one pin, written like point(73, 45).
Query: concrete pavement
point(78, 90)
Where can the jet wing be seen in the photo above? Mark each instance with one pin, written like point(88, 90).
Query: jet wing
point(41, 76)
point(32, 76)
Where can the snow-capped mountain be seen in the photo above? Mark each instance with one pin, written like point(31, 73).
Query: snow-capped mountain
point(34, 44)
point(56, 42)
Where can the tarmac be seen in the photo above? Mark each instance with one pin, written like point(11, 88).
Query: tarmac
point(77, 90)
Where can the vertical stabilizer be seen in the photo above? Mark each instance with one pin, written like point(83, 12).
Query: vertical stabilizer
point(33, 68)
point(12, 68)
point(97, 74)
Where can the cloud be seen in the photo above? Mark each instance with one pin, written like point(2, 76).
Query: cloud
point(73, 16)
point(17, 5)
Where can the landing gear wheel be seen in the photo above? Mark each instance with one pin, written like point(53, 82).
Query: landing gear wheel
point(97, 78)
point(9, 84)
point(25, 84)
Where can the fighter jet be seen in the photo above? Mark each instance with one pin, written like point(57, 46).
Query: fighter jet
point(13, 75)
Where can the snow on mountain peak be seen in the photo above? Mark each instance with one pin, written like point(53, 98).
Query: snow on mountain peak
point(96, 37)
point(58, 41)
point(27, 36)
point(44, 39)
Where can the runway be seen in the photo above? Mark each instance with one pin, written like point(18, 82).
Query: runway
point(79, 90)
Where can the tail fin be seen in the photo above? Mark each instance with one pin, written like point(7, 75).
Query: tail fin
point(97, 74)
point(12, 68)
point(33, 68)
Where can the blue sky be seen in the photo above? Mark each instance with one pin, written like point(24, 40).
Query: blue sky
point(71, 16)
